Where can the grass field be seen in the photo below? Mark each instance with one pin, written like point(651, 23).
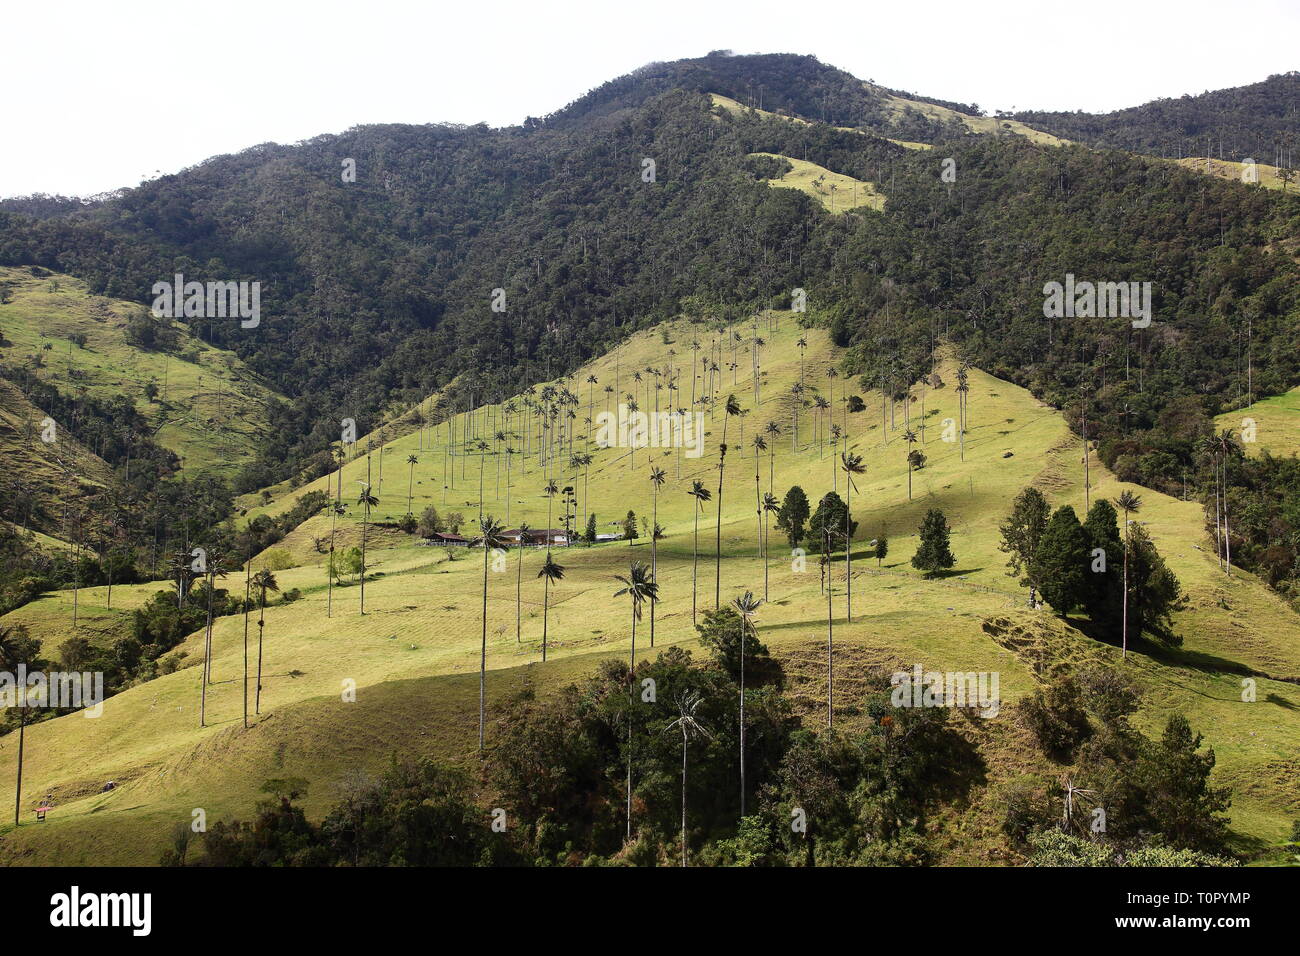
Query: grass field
point(1276, 423)
point(976, 124)
point(209, 404)
point(414, 654)
point(1226, 169)
point(837, 193)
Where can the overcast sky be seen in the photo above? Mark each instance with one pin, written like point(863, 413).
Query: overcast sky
point(104, 94)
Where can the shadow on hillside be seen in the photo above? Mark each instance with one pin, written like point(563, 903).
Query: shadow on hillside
point(1183, 657)
point(952, 573)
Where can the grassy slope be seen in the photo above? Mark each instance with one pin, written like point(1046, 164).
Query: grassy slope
point(1226, 169)
point(213, 406)
point(898, 105)
point(976, 124)
point(415, 652)
point(1277, 424)
point(54, 472)
point(817, 181)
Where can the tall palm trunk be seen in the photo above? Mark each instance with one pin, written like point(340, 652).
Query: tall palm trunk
point(742, 716)
point(482, 666)
point(261, 625)
point(1125, 626)
point(22, 727)
point(717, 544)
point(684, 798)
point(654, 556)
point(1227, 534)
point(206, 677)
point(631, 680)
point(364, 522)
point(830, 646)
point(248, 578)
point(848, 546)
point(767, 555)
point(758, 504)
point(330, 566)
point(695, 561)
point(546, 585)
point(519, 590)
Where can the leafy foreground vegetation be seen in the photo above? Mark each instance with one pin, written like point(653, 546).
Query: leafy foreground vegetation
point(837, 797)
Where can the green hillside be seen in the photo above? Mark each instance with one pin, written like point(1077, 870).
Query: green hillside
point(208, 408)
point(414, 653)
point(1276, 423)
point(51, 467)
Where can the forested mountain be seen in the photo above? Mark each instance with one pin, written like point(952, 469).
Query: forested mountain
point(378, 292)
point(1259, 121)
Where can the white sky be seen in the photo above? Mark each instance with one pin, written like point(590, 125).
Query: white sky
point(102, 94)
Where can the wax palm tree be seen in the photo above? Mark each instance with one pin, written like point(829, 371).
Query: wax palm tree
point(411, 461)
point(524, 531)
point(1208, 447)
point(732, 410)
point(592, 382)
point(248, 603)
point(497, 440)
point(657, 477)
point(773, 431)
point(1128, 502)
point(550, 491)
point(909, 436)
point(584, 462)
point(771, 505)
point(963, 387)
point(797, 390)
point(18, 649)
point(701, 494)
point(746, 606)
point(760, 446)
point(482, 448)
point(821, 405)
point(264, 581)
point(852, 465)
point(830, 631)
point(368, 501)
point(550, 572)
point(633, 408)
point(216, 569)
point(1228, 446)
point(336, 508)
point(490, 529)
point(640, 587)
point(691, 728)
point(510, 453)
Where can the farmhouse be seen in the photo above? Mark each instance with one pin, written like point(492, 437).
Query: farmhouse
point(536, 537)
point(443, 539)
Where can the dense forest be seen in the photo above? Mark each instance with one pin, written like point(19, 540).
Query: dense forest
point(1260, 121)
